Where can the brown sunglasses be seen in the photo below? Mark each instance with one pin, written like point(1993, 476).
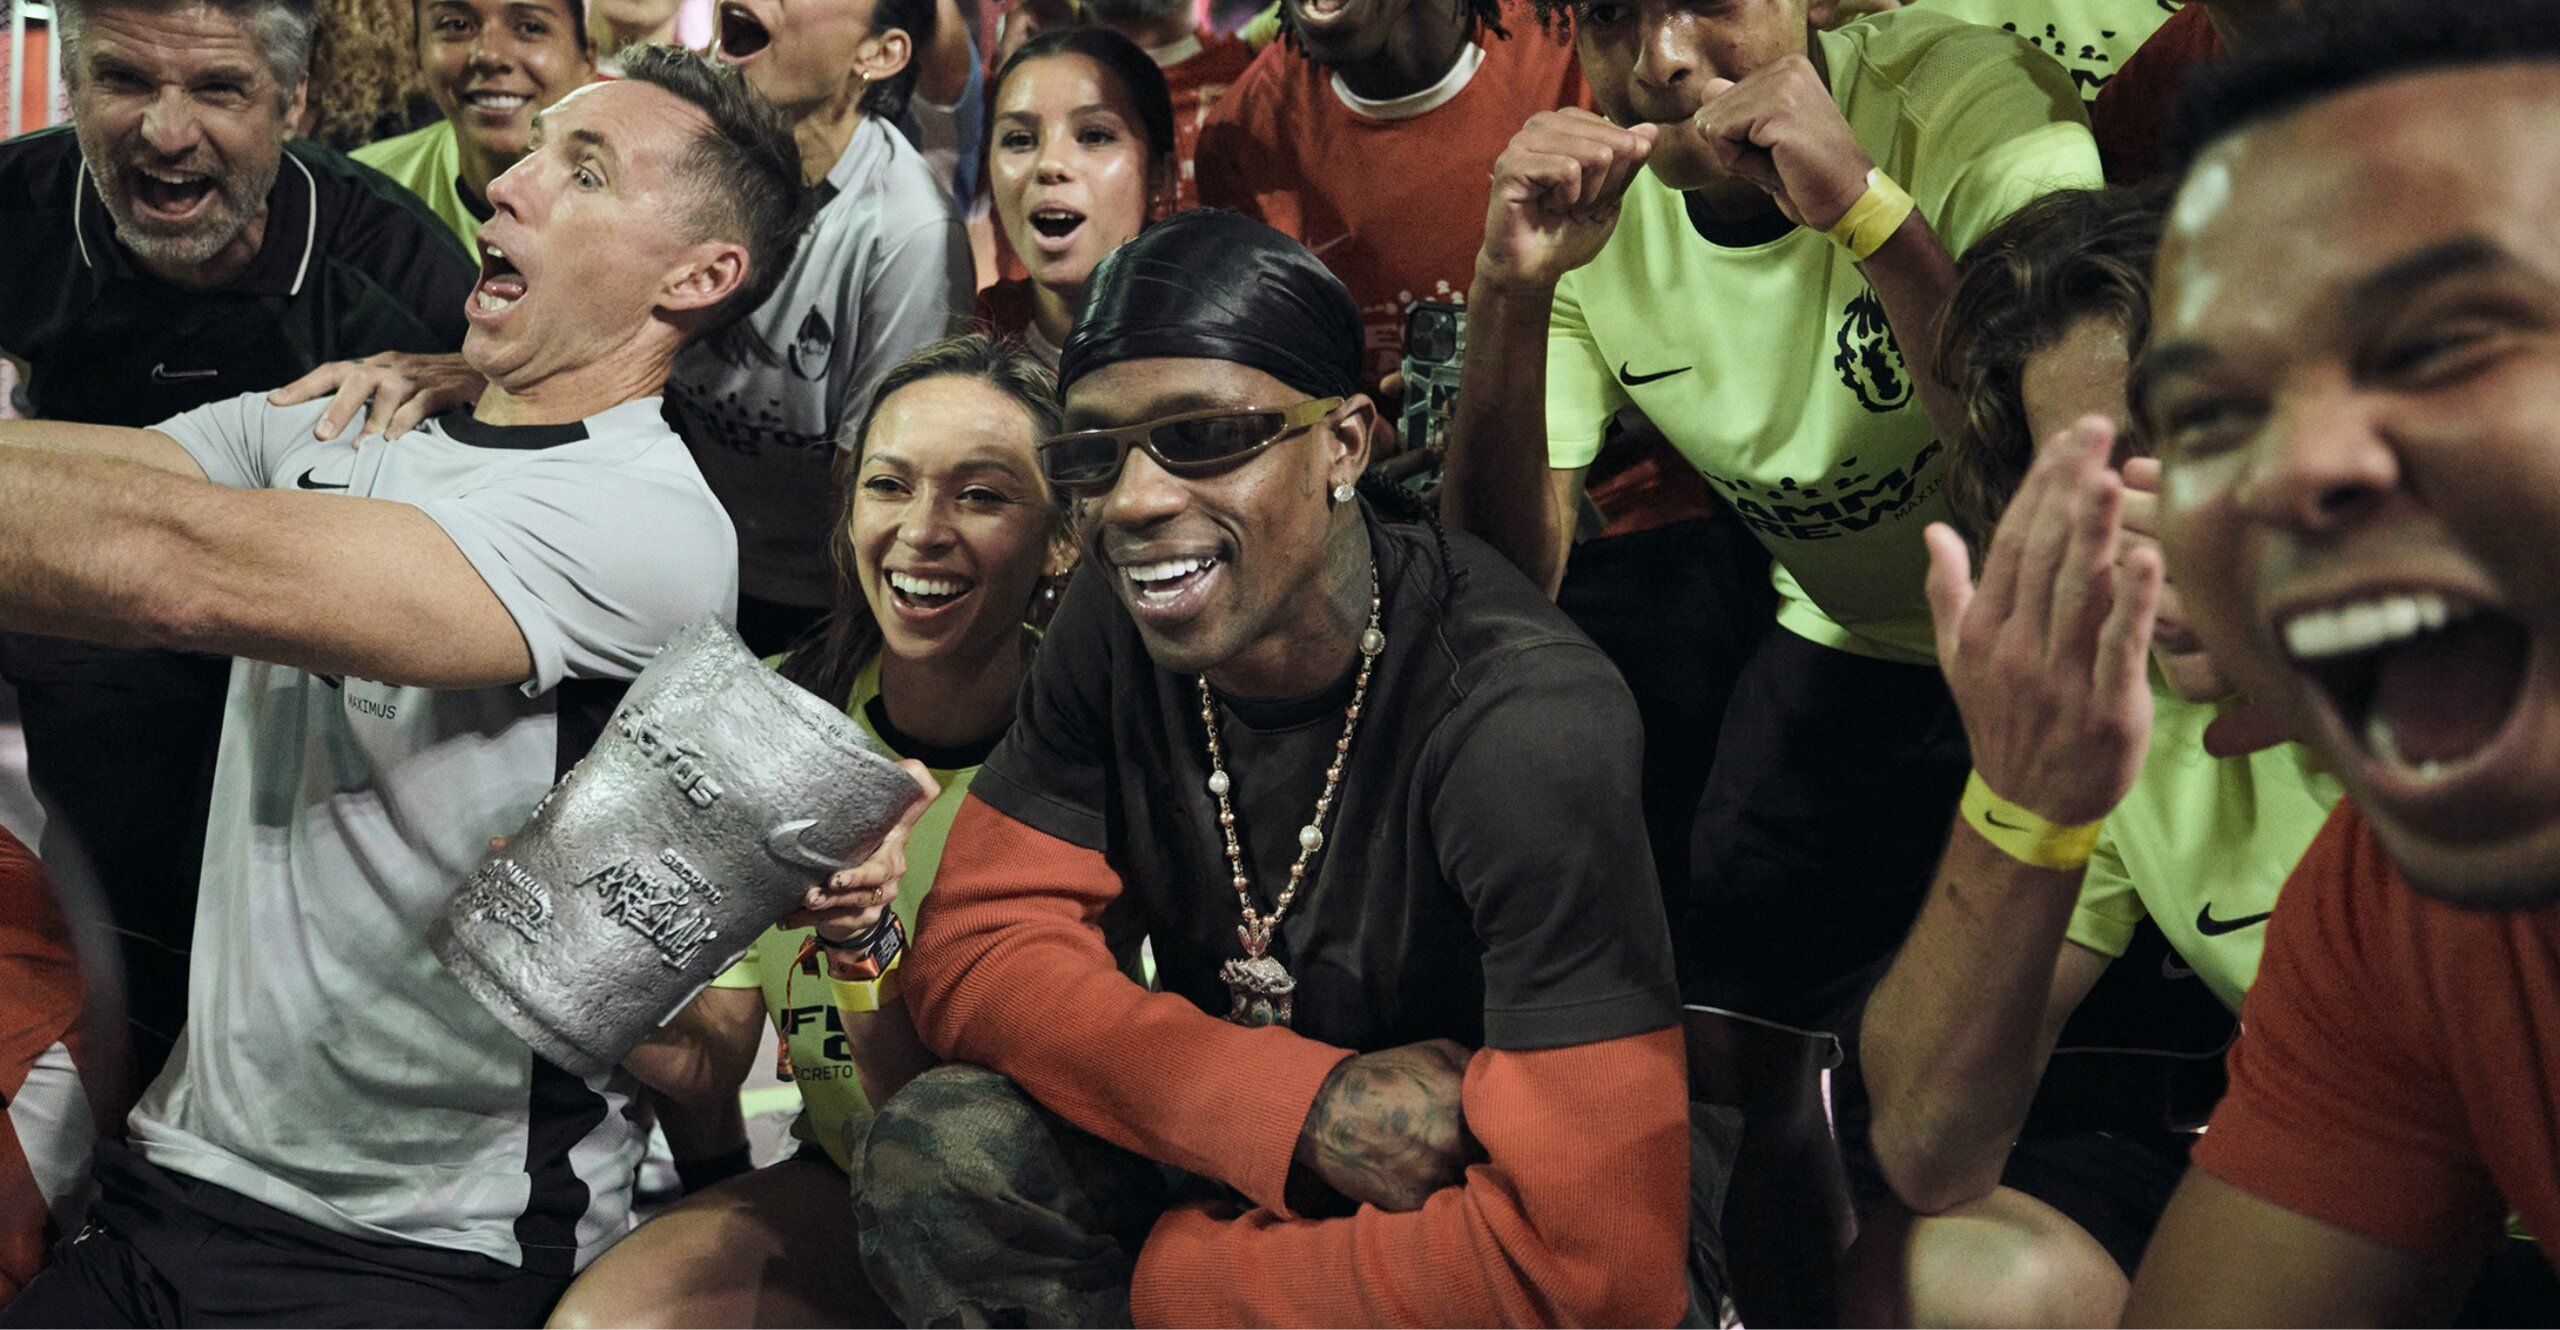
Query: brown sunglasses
point(1195, 443)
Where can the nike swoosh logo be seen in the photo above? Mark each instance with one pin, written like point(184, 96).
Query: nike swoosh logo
point(2212, 927)
point(1634, 380)
point(2171, 969)
point(161, 373)
point(305, 481)
point(783, 843)
point(1994, 819)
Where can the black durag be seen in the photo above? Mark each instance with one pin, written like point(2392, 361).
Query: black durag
point(1211, 285)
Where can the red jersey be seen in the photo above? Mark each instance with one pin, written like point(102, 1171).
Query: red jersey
point(1393, 204)
point(1197, 81)
point(2131, 115)
point(2418, 1040)
point(40, 1007)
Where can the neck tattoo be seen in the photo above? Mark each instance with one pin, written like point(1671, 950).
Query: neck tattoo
point(1259, 987)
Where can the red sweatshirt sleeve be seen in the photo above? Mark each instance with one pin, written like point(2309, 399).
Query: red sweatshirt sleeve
point(1010, 972)
point(1580, 1216)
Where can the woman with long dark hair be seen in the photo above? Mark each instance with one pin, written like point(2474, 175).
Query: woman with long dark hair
point(1080, 155)
point(950, 541)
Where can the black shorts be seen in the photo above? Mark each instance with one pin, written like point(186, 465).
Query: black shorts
point(1833, 789)
point(161, 1248)
point(2112, 1184)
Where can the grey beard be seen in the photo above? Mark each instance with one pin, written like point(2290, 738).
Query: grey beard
point(237, 202)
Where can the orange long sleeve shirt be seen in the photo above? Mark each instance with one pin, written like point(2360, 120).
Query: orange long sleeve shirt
point(1578, 1216)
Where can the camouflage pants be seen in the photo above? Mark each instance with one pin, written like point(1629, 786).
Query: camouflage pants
point(979, 1207)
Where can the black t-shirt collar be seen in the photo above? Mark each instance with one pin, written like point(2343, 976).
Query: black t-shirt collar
point(1735, 232)
point(461, 426)
point(279, 268)
point(940, 757)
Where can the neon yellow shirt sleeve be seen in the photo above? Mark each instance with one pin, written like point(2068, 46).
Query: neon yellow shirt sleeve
point(1581, 395)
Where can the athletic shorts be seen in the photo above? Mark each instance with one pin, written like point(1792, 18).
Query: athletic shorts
point(162, 1248)
point(2112, 1184)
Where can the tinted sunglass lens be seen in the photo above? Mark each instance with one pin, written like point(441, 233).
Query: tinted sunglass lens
point(1080, 462)
point(1214, 438)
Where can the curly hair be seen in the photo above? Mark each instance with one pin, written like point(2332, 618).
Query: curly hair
point(366, 84)
point(2072, 255)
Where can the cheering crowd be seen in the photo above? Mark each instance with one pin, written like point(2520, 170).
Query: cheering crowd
point(1601, 662)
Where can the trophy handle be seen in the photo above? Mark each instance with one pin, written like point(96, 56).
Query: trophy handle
point(783, 843)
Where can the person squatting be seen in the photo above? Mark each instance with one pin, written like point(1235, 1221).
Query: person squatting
point(1687, 662)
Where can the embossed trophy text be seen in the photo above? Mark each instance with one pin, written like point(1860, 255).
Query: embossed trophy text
point(717, 797)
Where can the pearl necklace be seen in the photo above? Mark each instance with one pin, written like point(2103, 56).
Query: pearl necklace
point(1260, 988)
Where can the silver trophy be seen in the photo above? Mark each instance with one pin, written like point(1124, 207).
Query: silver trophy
point(718, 795)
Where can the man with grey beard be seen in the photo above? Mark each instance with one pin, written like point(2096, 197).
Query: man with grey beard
point(167, 249)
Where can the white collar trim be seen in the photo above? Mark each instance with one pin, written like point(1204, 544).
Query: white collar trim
point(1413, 104)
point(310, 220)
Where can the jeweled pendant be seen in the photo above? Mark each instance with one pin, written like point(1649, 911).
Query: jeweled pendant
point(1259, 991)
point(1372, 642)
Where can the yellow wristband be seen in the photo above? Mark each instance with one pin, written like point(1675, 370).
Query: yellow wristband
point(1874, 218)
point(863, 995)
point(2022, 835)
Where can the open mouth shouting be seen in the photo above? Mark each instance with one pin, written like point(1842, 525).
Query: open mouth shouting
point(741, 33)
point(2427, 685)
point(925, 596)
point(170, 197)
point(1054, 227)
point(1321, 13)
point(501, 285)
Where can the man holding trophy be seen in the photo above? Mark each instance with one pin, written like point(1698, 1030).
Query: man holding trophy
point(429, 633)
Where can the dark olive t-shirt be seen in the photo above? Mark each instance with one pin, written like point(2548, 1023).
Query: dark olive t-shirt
point(1485, 877)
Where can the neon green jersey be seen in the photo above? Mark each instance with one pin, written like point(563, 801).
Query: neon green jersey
point(428, 163)
point(1771, 368)
point(798, 996)
point(2201, 845)
point(2092, 38)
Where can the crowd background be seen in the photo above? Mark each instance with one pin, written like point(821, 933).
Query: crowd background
point(1756, 396)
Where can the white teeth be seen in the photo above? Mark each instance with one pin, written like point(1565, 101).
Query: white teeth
point(167, 179)
point(2343, 630)
point(1166, 571)
point(503, 101)
point(488, 303)
point(492, 250)
point(925, 586)
point(2383, 742)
